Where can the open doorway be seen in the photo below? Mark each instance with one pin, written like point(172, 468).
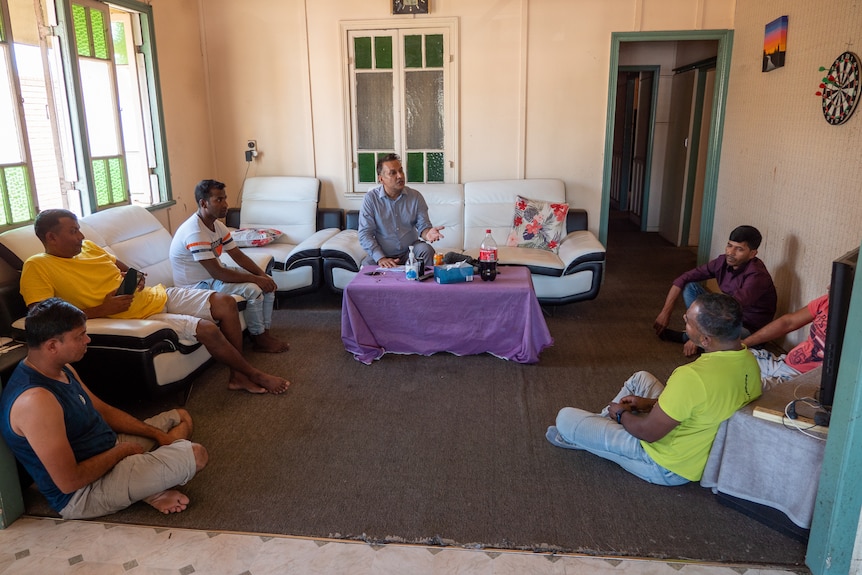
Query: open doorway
point(665, 112)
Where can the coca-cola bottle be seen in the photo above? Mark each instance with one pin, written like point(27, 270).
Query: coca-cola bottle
point(488, 258)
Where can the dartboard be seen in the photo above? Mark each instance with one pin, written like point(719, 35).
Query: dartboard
point(841, 89)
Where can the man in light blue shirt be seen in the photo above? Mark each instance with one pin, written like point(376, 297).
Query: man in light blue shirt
point(393, 218)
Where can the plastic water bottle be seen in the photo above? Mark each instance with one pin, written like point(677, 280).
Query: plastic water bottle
point(488, 258)
point(410, 268)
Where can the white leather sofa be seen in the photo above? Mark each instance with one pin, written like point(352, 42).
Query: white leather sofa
point(466, 211)
point(126, 358)
point(289, 205)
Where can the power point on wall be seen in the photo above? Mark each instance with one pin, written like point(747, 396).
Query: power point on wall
point(250, 150)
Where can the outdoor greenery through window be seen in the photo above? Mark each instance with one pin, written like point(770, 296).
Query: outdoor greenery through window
point(400, 86)
point(78, 109)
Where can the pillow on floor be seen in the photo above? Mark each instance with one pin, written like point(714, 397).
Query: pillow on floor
point(538, 224)
point(251, 237)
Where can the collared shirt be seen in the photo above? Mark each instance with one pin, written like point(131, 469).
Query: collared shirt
point(388, 226)
point(750, 284)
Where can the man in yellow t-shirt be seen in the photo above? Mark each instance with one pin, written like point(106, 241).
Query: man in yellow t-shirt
point(85, 275)
point(663, 434)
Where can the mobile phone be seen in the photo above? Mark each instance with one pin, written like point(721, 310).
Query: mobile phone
point(130, 283)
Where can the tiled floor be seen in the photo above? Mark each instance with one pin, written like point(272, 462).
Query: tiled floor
point(49, 546)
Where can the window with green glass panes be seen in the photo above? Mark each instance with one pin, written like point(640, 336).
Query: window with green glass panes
point(15, 196)
point(101, 38)
point(398, 103)
point(110, 181)
point(424, 107)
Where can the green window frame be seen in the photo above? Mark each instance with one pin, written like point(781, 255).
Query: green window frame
point(92, 65)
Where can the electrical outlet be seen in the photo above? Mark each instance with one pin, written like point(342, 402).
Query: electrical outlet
point(250, 150)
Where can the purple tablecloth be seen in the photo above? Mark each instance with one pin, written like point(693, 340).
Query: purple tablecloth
point(389, 314)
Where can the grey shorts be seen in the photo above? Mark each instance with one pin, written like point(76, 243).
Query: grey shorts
point(137, 476)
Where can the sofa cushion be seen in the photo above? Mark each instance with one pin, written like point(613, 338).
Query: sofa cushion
point(255, 237)
point(488, 205)
point(538, 224)
point(285, 203)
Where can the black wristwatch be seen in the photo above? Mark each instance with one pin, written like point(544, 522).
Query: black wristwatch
point(619, 416)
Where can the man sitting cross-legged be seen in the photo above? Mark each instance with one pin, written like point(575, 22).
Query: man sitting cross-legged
point(89, 459)
point(663, 434)
point(85, 275)
point(195, 251)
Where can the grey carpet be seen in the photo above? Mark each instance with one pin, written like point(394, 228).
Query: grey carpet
point(451, 450)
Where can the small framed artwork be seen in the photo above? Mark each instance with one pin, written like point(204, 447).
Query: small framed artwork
point(775, 44)
point(410, 6)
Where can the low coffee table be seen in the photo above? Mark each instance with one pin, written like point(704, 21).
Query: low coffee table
point(386, 313)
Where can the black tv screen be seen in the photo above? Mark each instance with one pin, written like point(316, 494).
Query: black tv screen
point(840, 290)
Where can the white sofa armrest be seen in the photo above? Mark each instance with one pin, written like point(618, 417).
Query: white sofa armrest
point(344, 245)
point(263, 260)
point(316, 240)
point(581, 244)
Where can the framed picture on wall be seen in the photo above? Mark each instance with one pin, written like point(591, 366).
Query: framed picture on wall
point(775, 44)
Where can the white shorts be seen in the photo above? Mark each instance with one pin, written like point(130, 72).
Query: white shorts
point(183, 310)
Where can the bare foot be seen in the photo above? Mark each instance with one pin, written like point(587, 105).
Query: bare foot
point(265, 343)
point(239, 382)
point(168, 501)
point(271, 383)
point(182, 430)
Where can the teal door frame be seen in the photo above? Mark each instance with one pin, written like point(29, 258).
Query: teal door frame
point(656, 71)
point(839, 494)
point(694, 150)
point(716, 130)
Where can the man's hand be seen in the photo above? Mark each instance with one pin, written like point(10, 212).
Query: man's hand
point(615, 408)
point(266, 283)
point(387, 262)
point(433, 234)
point(142, 280)
point(112, 304)
point(661, 322)
point(636, 403)
point(690, 349)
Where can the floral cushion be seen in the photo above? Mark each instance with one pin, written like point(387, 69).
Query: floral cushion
point(538, 224)
point(251, 237)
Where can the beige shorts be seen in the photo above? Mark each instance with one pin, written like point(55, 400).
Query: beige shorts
point(137, 476)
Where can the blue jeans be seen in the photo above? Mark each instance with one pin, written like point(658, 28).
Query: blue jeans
point(258, 307)
point(598, 434)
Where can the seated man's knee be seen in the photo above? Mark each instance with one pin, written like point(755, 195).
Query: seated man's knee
point(221, 304)
point(202, 457)
point(206, 330)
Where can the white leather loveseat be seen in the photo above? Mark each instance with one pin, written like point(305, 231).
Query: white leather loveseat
point(126, 358)
point(466, 210)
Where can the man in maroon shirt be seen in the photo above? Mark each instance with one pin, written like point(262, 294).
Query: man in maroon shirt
point(739, 273)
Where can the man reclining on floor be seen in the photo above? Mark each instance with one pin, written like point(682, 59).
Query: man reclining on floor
point(67, 438)
point(85, 275)
point(802, 358)
point(664, 434)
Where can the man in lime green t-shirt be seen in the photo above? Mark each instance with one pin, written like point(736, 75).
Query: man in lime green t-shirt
point(85, 275)
point(663, 434)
